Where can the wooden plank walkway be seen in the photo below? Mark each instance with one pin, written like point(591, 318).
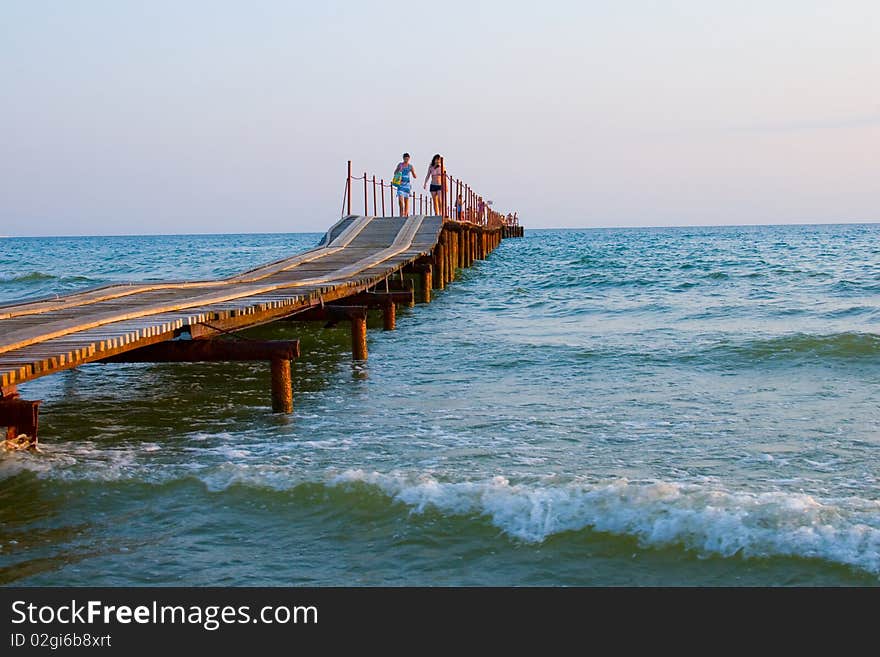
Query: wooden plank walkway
point(45, 336)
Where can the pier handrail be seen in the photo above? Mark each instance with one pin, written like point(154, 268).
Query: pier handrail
point(423, 203)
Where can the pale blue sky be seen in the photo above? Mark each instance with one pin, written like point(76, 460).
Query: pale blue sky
point(127, 117)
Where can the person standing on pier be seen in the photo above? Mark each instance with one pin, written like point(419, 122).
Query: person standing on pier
point(459, 207)
point(435, 175)
point(403, 175)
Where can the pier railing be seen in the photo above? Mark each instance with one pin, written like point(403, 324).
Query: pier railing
point(377, 192)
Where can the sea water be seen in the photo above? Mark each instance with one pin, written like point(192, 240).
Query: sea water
point(655, 406)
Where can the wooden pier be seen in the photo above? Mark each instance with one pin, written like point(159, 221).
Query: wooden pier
point(362, 263)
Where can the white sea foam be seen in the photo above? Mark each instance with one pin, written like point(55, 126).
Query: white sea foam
point(82, 461)
point(707, 520)
point(15, 463)
point(704, 516)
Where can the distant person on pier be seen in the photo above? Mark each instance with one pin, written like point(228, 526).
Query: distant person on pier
point(435, 175)
point(459, 207)
point(403, 175)
point(481, 212)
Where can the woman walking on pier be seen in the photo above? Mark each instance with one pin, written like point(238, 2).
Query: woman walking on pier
point(435, 174)
point(403, 175)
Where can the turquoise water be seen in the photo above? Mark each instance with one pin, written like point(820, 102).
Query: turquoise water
point(629, 406)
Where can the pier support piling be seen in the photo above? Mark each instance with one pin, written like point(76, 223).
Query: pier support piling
point(438, 280)
point(389, 316)
point(405, 285)
point(426, 283)
point(359, 337)
point(282, 386)
point(423, 268)
point(278, 352)
point(21, 418)
point(459, 247)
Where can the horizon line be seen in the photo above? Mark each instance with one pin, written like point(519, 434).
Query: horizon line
point(598, 227)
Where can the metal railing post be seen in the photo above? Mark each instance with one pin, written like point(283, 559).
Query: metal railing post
point(348, 187)
point(442, 203)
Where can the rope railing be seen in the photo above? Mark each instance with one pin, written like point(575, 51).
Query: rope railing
point(457, 200)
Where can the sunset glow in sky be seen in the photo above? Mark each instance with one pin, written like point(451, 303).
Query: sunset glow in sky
point(216, 116)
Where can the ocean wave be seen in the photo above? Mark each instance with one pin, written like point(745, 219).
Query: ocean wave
point(32, 277)
point(705, 518)
point(586, 280)
point(846, 345)
point(708, 521)
point(852, 311)
point(706, 351)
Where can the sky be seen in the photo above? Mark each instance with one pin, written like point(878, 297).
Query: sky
point(229, 117)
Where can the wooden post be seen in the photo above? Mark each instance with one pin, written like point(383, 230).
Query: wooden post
point(450, 266)
point(439, 258)
point(459, 239)
point(463, 246)
point(405, 284)
point(443, 261)
point(426, 284)
point(21, 418)
point(348, 187)
point(278, 352)
point(282, 388)
point(389, 316)
point(466, 247)
point(359, 337)
point(453, 255)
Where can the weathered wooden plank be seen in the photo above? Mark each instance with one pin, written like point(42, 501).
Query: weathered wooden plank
point(116, 291)
point(76, 334)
